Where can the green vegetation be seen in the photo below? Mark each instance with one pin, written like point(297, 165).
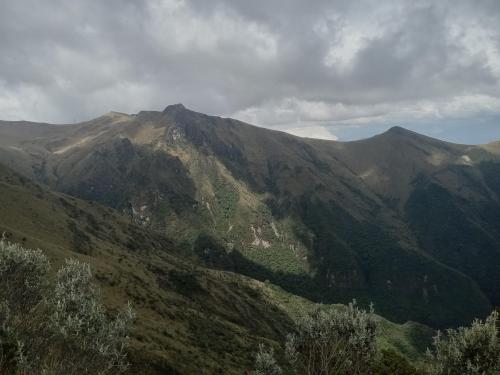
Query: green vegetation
point(391, 362)
point(277, 259)
point(462, 234)
point(55, 327)
point(342, 341)
point(327, 341)
point(408, 340)
point(467, 350)
point(188, 317)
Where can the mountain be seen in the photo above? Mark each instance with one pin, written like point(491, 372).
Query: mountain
point(405, 221)
point(188, 317)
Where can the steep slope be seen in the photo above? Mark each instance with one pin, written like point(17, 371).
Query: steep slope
point(447, 194)
point(327, 220)
point(189, 319)
point(389, 162)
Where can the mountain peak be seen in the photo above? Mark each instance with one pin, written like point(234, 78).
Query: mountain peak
point(399, 130)
point(174, 108)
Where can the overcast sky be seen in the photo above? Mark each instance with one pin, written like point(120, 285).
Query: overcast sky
point(323, 68)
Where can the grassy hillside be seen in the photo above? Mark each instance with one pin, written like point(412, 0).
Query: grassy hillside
point(190, 319)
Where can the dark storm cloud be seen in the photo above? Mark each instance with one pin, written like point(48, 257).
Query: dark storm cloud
point(306, 67)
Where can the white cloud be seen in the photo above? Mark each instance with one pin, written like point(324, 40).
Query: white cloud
point(175, 29)
point(280, 64)
point(319, 132)
point(25, 102)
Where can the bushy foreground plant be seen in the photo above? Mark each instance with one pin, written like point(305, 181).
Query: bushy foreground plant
point(55, 327)
point(327, 341)
point(265, 363)
point(473, 350)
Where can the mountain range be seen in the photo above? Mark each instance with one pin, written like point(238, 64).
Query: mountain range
point(190, 319)
point(402, 220)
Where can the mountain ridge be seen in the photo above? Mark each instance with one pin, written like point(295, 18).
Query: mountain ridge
point(327, 220)
point(179, 108)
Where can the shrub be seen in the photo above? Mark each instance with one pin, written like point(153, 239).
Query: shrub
point(265, 363)
point(467, 350)
point(331, 341)
point(80, 325)
point(59, 327)
point(23, 276)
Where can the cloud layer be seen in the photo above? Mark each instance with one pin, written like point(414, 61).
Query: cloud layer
point(311, 68)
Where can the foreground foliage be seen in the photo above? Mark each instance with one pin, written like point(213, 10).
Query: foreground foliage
point(470, 350)
point(55, 327)
point(327, 341)
point(342, 341)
